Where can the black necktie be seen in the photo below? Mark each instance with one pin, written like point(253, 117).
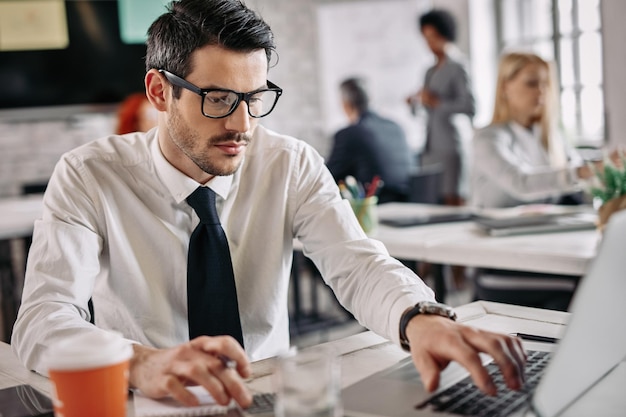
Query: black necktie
point(211, 293)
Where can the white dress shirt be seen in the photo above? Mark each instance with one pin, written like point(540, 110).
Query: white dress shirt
point(511, 167)
point(115, 228)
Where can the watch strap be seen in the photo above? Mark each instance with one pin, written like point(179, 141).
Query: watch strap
point(423, 307)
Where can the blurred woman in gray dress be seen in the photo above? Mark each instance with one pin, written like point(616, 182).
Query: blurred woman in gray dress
point(446, 93)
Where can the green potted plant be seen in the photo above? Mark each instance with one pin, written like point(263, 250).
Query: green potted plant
point(609, 189)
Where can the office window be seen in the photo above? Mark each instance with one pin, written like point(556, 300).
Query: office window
point(569, 33)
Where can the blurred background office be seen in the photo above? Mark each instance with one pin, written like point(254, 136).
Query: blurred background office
point(66, 66)
point(320, 43)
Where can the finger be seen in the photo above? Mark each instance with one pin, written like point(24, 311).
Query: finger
point(227, 346)
point(234, 385)
point(198, 371)
point(472, 362)
point(222, 382)
point(503, 351)
point(517, 349)
point(428, 369)
point(466, 353)
point(177, 390)
point(230, 381)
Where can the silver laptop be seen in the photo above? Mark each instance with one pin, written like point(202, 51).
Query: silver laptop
point(591, 348)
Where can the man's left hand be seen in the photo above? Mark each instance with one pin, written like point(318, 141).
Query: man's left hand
point(436, 341)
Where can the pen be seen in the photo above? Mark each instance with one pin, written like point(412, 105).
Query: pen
point(228, 362)
point(345, 193)
point(536, 338)
point(371, 190)
point(353, 186)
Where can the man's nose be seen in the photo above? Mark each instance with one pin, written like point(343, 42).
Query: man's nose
point(239, 120)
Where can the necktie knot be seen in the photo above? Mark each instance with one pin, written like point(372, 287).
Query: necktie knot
point(202, 200)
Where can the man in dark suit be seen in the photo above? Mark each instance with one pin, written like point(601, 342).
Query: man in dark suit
point(371, 145)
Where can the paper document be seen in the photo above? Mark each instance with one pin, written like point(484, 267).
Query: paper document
point(169, 407)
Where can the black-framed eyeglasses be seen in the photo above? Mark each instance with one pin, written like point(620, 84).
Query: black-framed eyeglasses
point(220, 102)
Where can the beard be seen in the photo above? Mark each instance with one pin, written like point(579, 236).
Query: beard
point(198, 149)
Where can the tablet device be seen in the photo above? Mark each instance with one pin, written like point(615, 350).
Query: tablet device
point(24, 401)
point(425, 219)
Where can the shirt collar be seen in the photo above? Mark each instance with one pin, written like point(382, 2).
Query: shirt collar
point(522, 132)
point(180, 185)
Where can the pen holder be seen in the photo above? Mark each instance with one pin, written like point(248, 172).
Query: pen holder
point(366, 213)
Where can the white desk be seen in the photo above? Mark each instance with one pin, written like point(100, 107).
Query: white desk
point(462, 243)
point(457, 243)
point(366, 353)
point(567, 253)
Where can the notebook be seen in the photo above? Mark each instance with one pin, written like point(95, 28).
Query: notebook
point(592, 346)
point(535, 218)
point(262, 406)
point(424, 219)
point(411, 214)
point(169, 407)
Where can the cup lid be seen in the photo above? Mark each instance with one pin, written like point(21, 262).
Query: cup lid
point(87, 350)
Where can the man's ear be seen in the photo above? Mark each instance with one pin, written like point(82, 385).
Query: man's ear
point(156, 89)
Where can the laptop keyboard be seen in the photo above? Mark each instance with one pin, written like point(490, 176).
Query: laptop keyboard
point(262, 403)
point(466, 399)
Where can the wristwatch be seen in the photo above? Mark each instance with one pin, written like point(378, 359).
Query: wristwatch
point(423, 307)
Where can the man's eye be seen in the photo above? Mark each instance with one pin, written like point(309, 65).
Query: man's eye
point(220, 99)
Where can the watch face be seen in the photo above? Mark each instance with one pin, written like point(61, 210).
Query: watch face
point(438, 309)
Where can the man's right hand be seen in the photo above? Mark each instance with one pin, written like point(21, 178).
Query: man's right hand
point(162, 372)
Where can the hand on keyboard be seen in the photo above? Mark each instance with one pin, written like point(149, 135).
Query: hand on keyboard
point(436, 341)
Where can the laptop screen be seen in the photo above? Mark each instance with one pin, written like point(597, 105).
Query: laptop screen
point(594, 341)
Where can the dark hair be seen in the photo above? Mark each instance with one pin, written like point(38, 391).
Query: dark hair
point(191, 24)
point(353, 91)
point(442, 21)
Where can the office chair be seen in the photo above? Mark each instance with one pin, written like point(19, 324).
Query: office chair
point(425, 184)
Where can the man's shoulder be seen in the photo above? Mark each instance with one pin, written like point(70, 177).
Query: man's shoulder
point(351, 131)
point(493, 132)
point(129, 149)
point(382, 125)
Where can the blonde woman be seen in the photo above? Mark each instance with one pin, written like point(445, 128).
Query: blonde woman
point(521, 157)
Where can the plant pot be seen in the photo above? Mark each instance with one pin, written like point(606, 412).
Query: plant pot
point(607, 209)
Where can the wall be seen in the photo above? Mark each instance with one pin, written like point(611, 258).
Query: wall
point(28, 150)
point(380, 43)
point(298, 113)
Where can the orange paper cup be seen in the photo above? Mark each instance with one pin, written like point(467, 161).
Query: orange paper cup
point(89, 375)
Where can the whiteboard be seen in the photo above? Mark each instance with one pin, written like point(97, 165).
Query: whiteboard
point(380, 42)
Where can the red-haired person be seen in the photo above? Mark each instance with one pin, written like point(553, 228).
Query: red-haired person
point(135, 114)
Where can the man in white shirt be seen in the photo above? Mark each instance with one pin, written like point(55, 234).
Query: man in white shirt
point(116, 227)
